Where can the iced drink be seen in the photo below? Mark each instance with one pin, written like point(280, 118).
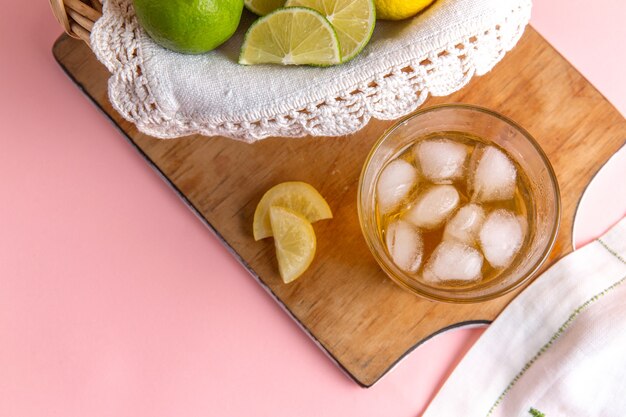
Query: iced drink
point(453, 210)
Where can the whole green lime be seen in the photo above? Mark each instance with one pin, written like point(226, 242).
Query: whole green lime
point(189, 26)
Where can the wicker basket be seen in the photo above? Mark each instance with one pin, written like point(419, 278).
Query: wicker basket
point(305, 101)
point(77, 16)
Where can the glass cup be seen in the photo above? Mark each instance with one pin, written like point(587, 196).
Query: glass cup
point(491, 127)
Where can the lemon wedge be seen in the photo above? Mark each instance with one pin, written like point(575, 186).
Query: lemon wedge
point(295, 242)
point(299, 197)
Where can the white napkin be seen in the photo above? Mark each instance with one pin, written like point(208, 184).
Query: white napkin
point(167, 94)
point(558, 350)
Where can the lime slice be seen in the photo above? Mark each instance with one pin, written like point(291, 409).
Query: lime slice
point(291, 36)
point(353, 21)
point(296, 196)
point(263, 7)
point(295, 242)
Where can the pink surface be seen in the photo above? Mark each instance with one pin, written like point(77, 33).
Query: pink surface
point(116, 301)
point(604, 201)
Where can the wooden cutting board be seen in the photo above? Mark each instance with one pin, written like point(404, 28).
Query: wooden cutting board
point(344, 302)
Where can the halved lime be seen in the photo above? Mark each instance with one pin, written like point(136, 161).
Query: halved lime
point(294, 195)
point(291, 36)
point(295, 242)
point(354, 21)
point(263, 7)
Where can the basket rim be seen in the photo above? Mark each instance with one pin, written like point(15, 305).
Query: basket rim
point(77, 17)
point(58, 10)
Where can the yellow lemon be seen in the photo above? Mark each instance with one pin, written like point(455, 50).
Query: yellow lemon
point(399, 9)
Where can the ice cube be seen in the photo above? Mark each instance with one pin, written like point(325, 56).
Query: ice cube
point(465, 225)
point(433, 206)
point(453, 261)
point(441, 159)
point(494, 176)
point(404, 244)
point(394, 184)
point(501, 238)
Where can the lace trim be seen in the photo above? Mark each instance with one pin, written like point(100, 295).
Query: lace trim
point(403, 88)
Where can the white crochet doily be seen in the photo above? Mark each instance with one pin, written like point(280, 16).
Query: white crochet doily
point(169, 95)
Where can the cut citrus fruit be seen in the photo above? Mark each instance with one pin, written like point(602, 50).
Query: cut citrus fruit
point(291, 36)
point(297, 196)
point(263, 7)
point(294, 239)
point(353, 20)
